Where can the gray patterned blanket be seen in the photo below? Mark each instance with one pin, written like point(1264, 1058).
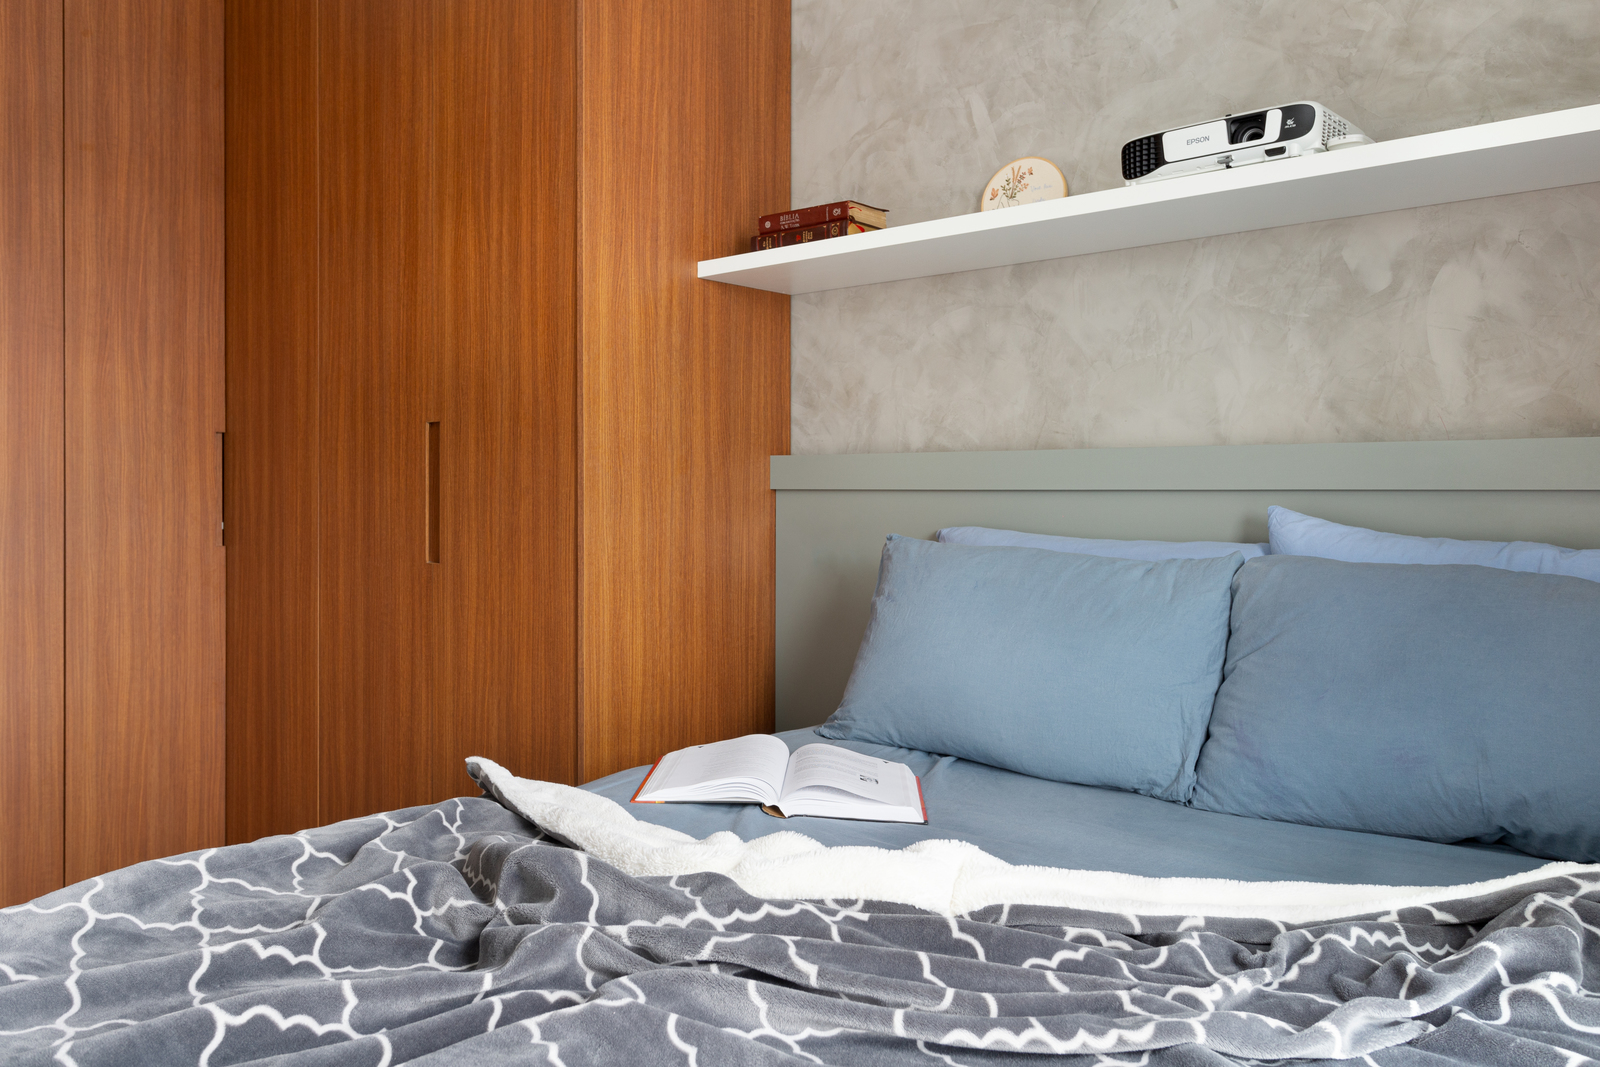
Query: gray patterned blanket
point(459, 933)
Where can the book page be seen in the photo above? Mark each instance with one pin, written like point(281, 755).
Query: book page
point(747, 769)
point(818, 770)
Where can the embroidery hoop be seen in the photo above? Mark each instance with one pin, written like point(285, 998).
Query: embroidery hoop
point(1045, 183)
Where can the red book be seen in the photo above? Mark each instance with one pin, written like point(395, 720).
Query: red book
point(810, 233)
point(874, 217)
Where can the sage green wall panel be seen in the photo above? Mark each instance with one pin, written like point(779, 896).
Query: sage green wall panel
point(829, 543)
point(1533, 463)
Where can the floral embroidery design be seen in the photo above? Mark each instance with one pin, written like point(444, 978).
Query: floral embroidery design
point(1012, 187)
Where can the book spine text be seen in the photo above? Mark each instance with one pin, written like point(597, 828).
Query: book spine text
point(802, 217)
point(810, 233)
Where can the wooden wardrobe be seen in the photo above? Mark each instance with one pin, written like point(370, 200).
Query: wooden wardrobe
point(497, 476)
point(111, 403)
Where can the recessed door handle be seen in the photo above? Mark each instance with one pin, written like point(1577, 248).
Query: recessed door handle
point(433, 492)
point(222, 488)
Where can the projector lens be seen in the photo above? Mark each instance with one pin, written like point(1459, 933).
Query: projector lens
point(1247, 128)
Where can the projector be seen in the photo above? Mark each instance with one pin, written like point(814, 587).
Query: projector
point(1235, 140)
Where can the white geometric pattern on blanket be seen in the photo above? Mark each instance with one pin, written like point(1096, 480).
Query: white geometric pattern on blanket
point(944, 876)
point(452, 935)
point(213, 940)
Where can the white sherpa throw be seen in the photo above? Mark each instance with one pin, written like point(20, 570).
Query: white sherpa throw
point(948, 877)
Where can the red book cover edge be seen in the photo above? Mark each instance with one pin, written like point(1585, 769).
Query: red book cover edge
point(635, 798)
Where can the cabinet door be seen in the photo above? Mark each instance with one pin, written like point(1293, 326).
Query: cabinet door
point(272, 468)
point(376, 323)
point(505, 638)
point(31, 337)
point(143, 212)
point(685, 388)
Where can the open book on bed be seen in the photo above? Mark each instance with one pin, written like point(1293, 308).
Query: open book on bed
point(822, 780)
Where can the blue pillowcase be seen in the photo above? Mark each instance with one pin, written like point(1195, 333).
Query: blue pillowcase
point(1094, 546)
point(1443, 702)
point(1294, 534)
point(1064, 666)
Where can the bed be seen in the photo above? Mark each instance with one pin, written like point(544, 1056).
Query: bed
point(543, 924)
point(1033, 822)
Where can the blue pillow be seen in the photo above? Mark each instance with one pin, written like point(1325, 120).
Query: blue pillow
point(1294, 534)
point(1063, 666)
point(1444, 702)
point(1094, 546)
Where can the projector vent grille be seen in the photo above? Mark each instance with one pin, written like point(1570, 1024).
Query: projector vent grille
point(1141, 157)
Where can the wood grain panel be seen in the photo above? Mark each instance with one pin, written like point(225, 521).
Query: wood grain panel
point(374, 335)
point(144, 402)
point(272, 474)
point(505, 639)
point(684, 384)
point(31, 339)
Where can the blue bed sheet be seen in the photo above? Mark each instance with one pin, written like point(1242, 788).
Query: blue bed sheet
point(1027, 820)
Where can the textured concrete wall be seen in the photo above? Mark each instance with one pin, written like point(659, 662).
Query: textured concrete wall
point(1470, 320)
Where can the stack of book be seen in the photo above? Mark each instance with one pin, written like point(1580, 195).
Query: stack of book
point(816, 224)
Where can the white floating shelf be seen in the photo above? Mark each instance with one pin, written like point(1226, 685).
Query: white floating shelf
point(1515, 156)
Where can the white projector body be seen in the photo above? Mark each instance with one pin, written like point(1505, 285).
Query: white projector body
point(1237, 140)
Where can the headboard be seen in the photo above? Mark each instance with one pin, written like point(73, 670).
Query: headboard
point(834, 512)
